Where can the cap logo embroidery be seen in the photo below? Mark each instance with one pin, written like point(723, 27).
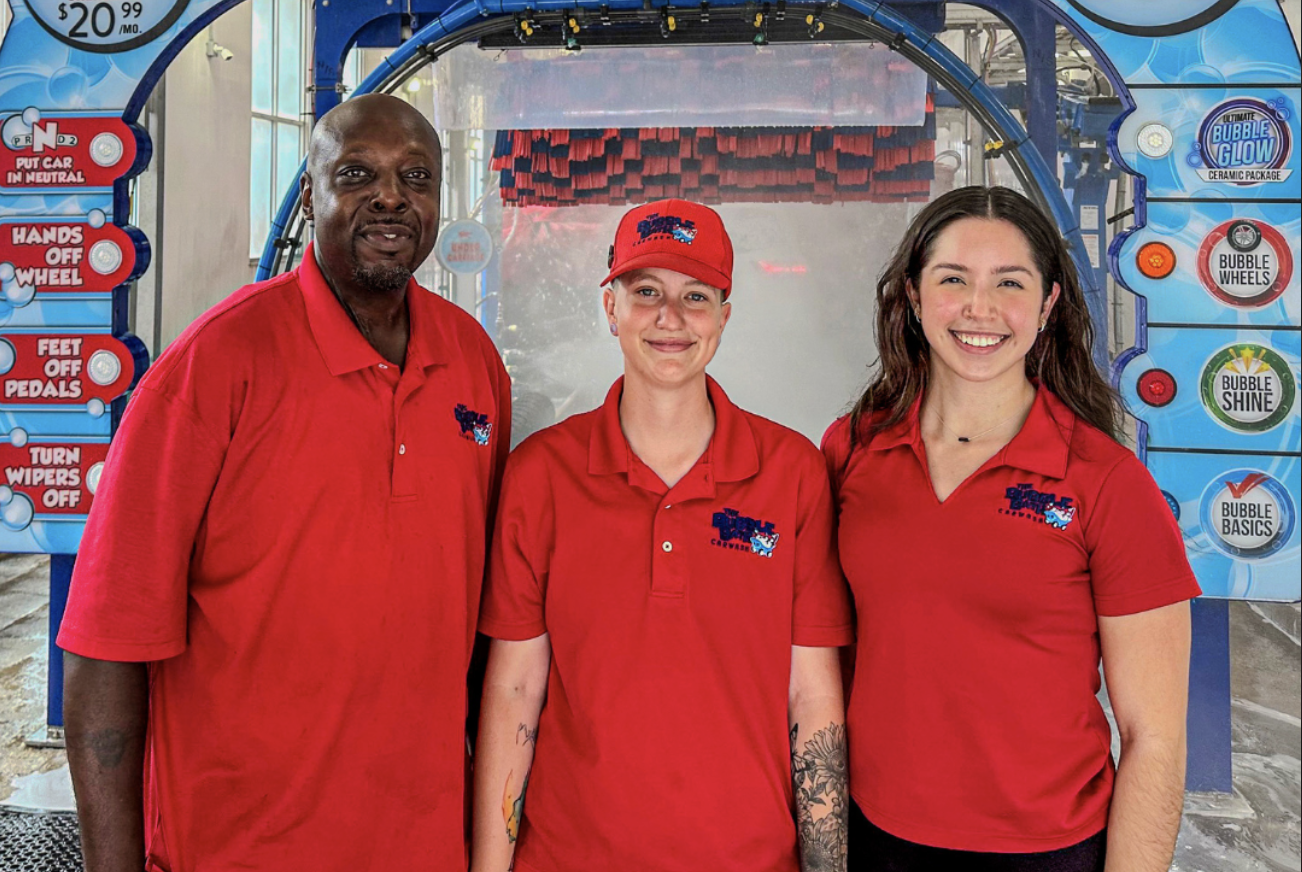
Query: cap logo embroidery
point(740, 533)
point(474, 426)
point(657, 226)
point(1024, 501)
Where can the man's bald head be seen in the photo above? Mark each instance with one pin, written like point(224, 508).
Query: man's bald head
point(371, 189)
point(367, 112)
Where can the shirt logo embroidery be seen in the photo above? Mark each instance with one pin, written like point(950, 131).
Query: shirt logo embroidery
point(1026, 502)
point(474, 426)
point(740, 533)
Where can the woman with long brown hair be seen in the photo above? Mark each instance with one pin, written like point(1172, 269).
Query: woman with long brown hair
point(1000, 541)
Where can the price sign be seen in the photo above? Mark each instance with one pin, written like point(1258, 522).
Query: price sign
point(55, 478)
point(73, 256)
point(104, 26)
point(94, 370)
point(42, 151)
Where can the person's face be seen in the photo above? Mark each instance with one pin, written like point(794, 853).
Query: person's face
point(375, 204)
point(981, 301)
point(669, 324)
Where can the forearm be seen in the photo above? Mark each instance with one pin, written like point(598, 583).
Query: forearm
point(819, 760)
point(508, 732)
point(106, 712)
point(1146, 803)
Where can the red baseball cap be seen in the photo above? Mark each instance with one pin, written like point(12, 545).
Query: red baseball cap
point(679, 235)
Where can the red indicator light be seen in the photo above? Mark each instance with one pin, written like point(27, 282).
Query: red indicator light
point(1156, 387)
point(1156, 260)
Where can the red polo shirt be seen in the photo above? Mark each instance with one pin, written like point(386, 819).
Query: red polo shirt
point(672, 611)
point(292, 532)
point(973, 722)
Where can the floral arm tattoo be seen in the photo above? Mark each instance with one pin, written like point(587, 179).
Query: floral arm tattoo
point(820, 776)
point(513, 805)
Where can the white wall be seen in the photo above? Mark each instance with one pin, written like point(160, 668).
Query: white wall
point(202, 156)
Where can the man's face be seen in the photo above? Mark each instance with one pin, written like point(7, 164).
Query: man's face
point(373, 194)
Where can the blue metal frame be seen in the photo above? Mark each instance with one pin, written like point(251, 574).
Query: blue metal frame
point(466, 12)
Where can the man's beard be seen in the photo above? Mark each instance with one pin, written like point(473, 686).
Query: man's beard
point(380, 278)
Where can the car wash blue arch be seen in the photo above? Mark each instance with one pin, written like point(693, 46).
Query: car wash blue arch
point(1207, 124)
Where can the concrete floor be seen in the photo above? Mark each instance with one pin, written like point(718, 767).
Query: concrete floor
point(1254, 830)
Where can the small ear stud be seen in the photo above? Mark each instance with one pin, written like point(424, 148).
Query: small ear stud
point(614, 331)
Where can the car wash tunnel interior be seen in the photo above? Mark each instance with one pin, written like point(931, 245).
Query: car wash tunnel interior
point(1162, 137)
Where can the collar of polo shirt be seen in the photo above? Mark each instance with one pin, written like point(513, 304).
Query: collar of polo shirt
point(732, 453)
point(1042, 445)
point(342, 346)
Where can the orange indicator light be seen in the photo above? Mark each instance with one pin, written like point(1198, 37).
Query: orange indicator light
point(1156, 260)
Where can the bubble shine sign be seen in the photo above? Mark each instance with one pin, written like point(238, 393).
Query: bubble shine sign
point(1248, 388)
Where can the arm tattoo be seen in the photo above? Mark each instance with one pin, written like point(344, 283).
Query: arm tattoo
point(820, 776)
point(513, 806)
point(109, 747)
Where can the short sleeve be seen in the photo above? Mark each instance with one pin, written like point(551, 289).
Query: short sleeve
point(1136, 554)
point(821, 614)
point(512, 607)
point(129, 591)
point(836, 449)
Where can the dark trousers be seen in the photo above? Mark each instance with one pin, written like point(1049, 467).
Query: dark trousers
point(872, 849)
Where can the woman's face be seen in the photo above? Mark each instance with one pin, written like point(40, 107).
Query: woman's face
point(669, 325)
point(980, 301)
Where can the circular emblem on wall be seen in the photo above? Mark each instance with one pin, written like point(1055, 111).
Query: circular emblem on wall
point(106, 27)
point(1244, 141)
point(465, 247)
point(1248, 514)
point(1153, 18)
point(1246, 264)
point(1248, 388)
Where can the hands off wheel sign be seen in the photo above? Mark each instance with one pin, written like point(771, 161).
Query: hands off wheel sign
point(105, 26)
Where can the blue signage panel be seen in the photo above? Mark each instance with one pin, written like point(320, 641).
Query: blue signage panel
point(1239, 518)
point(1236, 264)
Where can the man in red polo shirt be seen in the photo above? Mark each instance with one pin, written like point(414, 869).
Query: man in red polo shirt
point(663, 575)
point(274, 606)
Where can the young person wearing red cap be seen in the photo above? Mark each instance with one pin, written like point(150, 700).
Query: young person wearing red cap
point(999, 540)
point(663, 577)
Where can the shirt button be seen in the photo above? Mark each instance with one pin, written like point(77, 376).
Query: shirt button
point(668, 546)
point(402, 449)
point(670, 506)
point(384, 366)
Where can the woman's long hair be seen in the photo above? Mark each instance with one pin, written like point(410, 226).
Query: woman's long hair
point(1060, 357)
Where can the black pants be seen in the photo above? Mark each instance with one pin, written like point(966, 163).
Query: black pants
point(875, 850)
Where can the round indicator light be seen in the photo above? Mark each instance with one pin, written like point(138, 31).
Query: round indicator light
point(1156, 260)
point(1155, 139)
point(106, 149)
point(105, 257)
point(104, 367)
point(1156, 387)
point(92, 476)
